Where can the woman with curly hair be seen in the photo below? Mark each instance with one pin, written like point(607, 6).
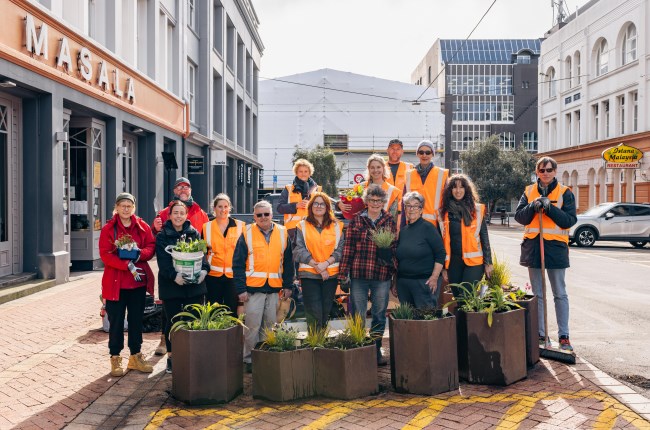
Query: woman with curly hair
point(464, 233)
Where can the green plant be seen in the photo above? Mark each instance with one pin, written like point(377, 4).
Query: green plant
point(501, 274)
point(497, 300)
point(204, 317)
point(383, 237)
point(404, 311)
point(471, 299)
point(427, 314)
point(353, 336)
point(196, 245)
point(316, 336)
point(280, 338)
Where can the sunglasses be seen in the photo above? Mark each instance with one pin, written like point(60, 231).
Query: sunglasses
point(260, 215)
point(425, 152)
point(549, 170)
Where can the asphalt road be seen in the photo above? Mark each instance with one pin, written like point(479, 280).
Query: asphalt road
point(609, 296)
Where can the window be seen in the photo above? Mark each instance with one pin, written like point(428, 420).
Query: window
point(577, 125)
point(550, 83)
point(576, 61)
point(568, 129)
point(606, 118)
point(641, 211)
point(335, 141)
point(602, 58)
point(191, 14)
point(595, 116)
point(635, 111)
point(628, 47)
point(218, 27)
point(525, 84)
point(507, 141)
point(4, 174)
point(530, 141)
point(568, 70)
point(429, 75)
point(167, 55)
point(191, 90)
point(621, 114)
point(523, 59)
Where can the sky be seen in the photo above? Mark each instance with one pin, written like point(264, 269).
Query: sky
point(385, 38)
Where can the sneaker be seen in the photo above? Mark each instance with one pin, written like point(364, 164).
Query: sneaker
point(116, 366)
point(542, 341)
point(137, 362)
point(565, 344)
point(248, 367)
point(161, 349)
point(168, 369)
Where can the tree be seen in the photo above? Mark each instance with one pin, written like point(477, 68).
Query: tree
point(498, 174)
point(326, 172)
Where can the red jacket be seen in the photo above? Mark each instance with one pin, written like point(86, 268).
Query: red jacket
point(116, 272)
point(195, 215)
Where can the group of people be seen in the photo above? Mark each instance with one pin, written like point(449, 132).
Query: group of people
point(440, 231)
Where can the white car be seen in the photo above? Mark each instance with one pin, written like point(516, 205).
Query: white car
point(628, 222)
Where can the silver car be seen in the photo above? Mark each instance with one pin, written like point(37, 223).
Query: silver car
point(628, 222)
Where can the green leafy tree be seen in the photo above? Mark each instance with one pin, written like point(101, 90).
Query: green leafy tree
point(499, 175)
point(326, 172)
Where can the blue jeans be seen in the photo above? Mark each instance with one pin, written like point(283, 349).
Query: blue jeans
point(379, 298)
point(560, 297)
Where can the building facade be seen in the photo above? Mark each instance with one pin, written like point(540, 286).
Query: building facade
point(97, 98)
point(354, 115)
point(594, 97)
point(487, 87)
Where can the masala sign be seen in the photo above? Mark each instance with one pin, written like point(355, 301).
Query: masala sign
point(622, 157)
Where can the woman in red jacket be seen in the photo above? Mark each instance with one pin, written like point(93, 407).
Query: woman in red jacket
point(126, 281)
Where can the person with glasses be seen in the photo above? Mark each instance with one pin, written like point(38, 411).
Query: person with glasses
point(428, 180)
point(318, 250)
point(398, 168)
point(557, 204)
point(420, 256)
point(464, 233)
point(262, 265)
point(377, 173)
point(362, 266)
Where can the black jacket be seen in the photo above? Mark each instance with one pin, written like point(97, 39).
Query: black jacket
point(556, 253)
point(167, 288)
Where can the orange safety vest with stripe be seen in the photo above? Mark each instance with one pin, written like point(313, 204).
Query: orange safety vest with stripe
point(265, 260)
point(292, 220)
point(551, 230)
point(400, 177)
point(470, 236)
point(221, 248)
point(431, 190)
point(391, 191)
point(321, 245)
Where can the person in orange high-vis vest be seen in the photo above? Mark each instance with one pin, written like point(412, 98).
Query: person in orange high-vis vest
point(318, 250)
point(557, 204)
point(464, 233)
point(428, 180)
point(295, 196)
point(262, 265)
point(221, 235)
point(377, 173)
point(398, 168)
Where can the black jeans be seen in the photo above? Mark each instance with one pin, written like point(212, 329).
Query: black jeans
point(221, 289)
point(416, 293)
point(133, 301)
point(318, 297)
point(459, 272)
point(171, 308)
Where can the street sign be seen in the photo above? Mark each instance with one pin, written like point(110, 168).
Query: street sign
point(622, 157)
point(218, 157)
point(358, 178)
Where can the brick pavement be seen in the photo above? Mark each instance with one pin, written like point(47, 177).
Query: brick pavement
point(54, 373)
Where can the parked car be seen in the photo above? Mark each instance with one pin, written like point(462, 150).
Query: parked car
point(628, 222)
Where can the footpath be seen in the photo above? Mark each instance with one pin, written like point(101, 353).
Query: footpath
point(54, 373)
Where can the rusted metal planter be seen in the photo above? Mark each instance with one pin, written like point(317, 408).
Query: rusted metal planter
point(282, 376)
point(492, 355)
point(208, 365)
point(346, 374)
point(530, 304)
point(423, 356)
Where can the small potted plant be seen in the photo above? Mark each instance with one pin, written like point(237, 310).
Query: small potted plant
point(423, 356)
point(384, 239)
point(208, 354)
point(282, 369)
point(127, 249)
point(187, 257)
point(353, 197)
point(346, 366)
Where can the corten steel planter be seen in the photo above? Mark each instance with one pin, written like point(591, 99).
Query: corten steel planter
point(423, 356)
point(492, 355)
point(447, 297)
point(346, 374)
point(282, 376)
point(208, 365)
point(530, 304)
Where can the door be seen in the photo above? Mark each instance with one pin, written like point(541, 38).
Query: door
point(10, 220)
point(640, 225)
point(66, 183)
point(620, 224)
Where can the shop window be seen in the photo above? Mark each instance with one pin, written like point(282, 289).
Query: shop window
point(4, 175)
point(86, 178)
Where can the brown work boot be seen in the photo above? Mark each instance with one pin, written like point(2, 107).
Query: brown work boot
point(116, 366)
point(161, 349)
point(137, 362)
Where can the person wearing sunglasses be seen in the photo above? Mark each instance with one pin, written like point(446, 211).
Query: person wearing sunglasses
point(262, 265)
point(398, 168)
point(319, 245)
point(464, 233)
point(363, 265)
point(557, 204)
point(428, 180)
point(378, 173)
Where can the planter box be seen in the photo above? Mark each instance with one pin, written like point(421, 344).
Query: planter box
point(530, 304)
point(346, 374)
point(208, 365)
point(492, 355)
point(447, 297)
point(282, 376)
point(423, 356)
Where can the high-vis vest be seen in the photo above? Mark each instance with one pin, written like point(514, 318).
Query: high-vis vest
point(265, 259)
point(431, 190)
point(470, 237)
point(221, 248)
point(391, 191)
point(321, 245)
point(292, 220)
point(551, 230)
point(400, 177)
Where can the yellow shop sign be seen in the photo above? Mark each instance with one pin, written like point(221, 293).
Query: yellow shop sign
point(622, 157)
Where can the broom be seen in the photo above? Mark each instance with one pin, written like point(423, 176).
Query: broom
point(548, 351)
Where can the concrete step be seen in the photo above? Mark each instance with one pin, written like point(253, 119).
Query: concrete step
point(19, 278)
point(10, 290)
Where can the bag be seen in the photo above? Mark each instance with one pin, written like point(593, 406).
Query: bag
point(151, 318)
point(286, 309)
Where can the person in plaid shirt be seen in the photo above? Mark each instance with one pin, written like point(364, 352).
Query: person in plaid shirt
point(367, 267)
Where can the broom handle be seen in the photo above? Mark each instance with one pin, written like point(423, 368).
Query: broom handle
point(541, 254)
